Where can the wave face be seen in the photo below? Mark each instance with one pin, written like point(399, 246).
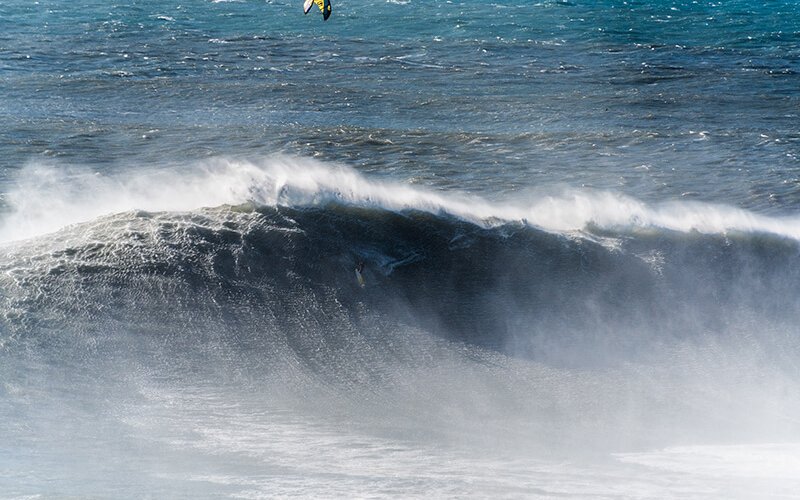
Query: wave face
point(472, 332)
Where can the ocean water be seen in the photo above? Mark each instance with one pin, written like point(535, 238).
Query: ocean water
point(579, 223)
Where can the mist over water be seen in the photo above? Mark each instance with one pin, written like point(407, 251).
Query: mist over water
point(578, 224)
point(229, 349)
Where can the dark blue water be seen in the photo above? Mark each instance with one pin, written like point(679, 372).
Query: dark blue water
point(579, 224)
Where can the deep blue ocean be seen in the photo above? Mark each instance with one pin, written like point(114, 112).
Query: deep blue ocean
point(579, 225)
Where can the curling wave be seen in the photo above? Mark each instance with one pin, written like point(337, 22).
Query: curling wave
point(510, 287)
point(650, 336)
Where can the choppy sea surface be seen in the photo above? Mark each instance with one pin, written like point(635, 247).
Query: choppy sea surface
point(579, 224)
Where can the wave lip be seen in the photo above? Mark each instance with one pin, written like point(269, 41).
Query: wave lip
point(47, 198)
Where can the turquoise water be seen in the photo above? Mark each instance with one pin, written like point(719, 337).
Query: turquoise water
point(655, 99)
point(579, 225)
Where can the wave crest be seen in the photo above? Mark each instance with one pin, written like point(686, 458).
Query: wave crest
point(48, 197)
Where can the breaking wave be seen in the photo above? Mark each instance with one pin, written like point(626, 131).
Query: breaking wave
point(525, 327)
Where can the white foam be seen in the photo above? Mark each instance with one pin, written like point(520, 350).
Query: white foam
point(764, 461)
point(47, 198)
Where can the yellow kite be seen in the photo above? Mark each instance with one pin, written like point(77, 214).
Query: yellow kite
point(324, 7)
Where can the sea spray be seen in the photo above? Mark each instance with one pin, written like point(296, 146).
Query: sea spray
point(48, 197)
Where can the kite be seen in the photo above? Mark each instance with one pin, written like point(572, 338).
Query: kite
point(324, 7)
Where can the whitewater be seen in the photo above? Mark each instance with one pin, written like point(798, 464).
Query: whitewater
point(48, 197)
point(578, 224)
